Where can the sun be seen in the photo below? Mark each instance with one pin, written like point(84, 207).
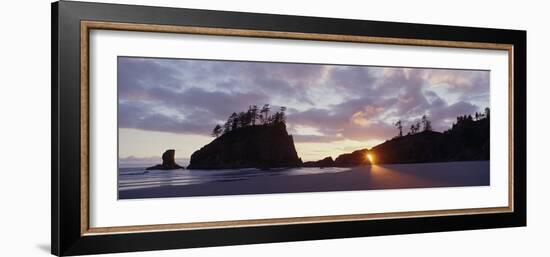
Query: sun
point(370, 157)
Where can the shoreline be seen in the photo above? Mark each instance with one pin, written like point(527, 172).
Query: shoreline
point(319, 167)
point(370, 177)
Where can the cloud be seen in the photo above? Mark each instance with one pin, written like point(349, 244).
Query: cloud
point(352, 80)
point(458, 80)
point(339, 102)
point(316, 139)
point(442, 118)
point(138, 116)
point(194, 111)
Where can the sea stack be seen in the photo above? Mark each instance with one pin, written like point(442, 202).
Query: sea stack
point(326, 162)
point(260, 146)
point(168, 162)
point(355, 158)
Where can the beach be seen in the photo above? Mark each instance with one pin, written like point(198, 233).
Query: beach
point(368, 177)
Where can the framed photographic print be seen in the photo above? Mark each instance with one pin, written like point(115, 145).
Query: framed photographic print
point(178, 128)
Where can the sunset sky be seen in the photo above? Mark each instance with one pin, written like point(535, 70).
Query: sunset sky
point(331, 109)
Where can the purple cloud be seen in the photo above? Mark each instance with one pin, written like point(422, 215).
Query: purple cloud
point(336, 102)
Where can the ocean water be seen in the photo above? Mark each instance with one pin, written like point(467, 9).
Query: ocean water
point(140, 178)
point(137, 183)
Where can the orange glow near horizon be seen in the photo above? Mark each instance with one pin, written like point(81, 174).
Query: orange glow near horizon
point(370, 157)
point(314, 151)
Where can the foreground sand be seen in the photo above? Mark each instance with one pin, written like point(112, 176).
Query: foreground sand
point(390, 176)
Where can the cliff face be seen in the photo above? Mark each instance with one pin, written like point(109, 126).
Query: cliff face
point(168, 162)
point(261, 146)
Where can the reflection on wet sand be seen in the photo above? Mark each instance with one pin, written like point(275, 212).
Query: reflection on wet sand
point(368, 177)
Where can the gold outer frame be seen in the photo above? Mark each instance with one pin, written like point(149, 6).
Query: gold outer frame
point(86, 26)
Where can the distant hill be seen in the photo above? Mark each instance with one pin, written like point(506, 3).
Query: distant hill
point(468, 140)
point(257, 146)
point(355, 158)
point(326, 162)
point(358, 157)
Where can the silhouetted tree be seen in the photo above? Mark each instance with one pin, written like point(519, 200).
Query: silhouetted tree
point(265, 114)
point(249, 118)
point(427, 124)
point(217, 131)
point(253, 110)
point(399, 127)
point(281, 117)
point(227, 125)
point(487, 112)
point(414, 128)
point(480, 115)
point(243, 119)
point(234, 121)
point(276, 118)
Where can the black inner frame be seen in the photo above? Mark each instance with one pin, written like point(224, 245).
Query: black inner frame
point(65, 166)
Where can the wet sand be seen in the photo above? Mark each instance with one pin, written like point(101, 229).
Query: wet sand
point(371, 177)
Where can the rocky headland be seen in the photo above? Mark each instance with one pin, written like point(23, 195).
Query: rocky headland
point(467, 140)
point(259, 146)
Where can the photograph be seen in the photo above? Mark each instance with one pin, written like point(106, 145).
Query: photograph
point(200, 127)
point(178, 127)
